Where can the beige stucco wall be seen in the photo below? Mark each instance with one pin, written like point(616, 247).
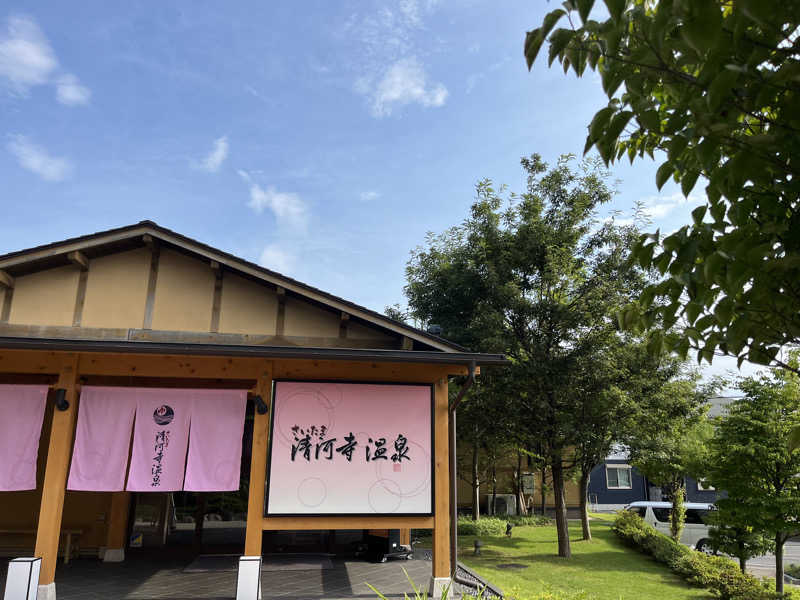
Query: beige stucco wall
point(304, 319)
point(357, 331)
point(45, 298)
point(116, 290)
point(247, 307)
point(184, 293)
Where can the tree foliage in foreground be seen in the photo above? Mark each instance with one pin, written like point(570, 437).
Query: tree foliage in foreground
point(712, 87)
point(537, 277)
point(752, 461)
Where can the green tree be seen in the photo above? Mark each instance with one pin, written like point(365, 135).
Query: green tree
point(734, 536)
point(666, 438)
point(608, 388)
point(483, 428)
point(751, 459)
point(711, 87)
point(537, 277)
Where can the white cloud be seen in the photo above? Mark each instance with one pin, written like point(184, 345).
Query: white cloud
point(69, 91)
point(27, 60)
point(404, 82)
point(369, 196)
point(217, 156)
point(382, 49)
point(36, 159)
point(288, 208)
point(658, 207)
point(275, 258)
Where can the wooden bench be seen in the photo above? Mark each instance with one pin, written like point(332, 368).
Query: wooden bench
point(67, 549)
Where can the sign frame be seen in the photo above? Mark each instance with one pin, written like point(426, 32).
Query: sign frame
point(323, 515)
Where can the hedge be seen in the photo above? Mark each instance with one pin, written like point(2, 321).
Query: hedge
point(496, 526)
point(720, 575)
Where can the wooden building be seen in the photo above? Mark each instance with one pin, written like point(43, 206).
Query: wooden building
point(142, 305)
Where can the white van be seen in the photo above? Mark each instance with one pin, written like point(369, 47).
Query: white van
point(695, 530)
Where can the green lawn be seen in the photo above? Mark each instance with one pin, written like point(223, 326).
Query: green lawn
point(603, 569)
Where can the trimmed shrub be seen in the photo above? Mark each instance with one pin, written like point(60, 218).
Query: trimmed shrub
point(529, 521)
point(720, 575)
point(483, 526)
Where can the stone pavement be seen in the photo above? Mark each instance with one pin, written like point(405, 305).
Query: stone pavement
point(157, 576)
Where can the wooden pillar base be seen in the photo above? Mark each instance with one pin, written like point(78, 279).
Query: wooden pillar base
point(440, 587)
point(47, 592)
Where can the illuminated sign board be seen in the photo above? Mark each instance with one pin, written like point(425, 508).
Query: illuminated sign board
point(350, 449)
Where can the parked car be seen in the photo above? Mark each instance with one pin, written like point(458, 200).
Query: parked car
point(695, 529)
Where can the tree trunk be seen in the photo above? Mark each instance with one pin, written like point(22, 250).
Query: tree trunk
point(583, 488)
point(562, 527)
point(742, 564)
point(522, 507)
point(779, 540)
point(542, 490)
point(476, 485)
point(677, 515)
point(494, 490)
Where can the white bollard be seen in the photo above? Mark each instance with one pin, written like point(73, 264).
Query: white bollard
point(248, 582)
point(22, 582)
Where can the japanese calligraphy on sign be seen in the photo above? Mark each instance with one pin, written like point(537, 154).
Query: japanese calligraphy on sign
point(314, 438)
point(349, 448)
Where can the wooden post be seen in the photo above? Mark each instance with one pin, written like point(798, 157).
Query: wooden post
point(258, 466)
point(117, 527)
point(441, 483)
point(55, 477)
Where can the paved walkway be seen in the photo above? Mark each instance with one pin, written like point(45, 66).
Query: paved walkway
point(147, 577)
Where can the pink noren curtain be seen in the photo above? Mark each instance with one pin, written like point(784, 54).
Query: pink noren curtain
point(21, 415)
point(102, 439)
point(160, 439)
point(215, 441)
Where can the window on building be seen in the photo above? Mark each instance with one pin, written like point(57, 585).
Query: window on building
point(704, 486)
point(618, 477)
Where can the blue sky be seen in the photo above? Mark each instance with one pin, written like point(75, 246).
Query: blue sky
point(321, 139)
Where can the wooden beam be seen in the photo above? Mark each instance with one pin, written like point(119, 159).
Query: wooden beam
point(215, 266)
point(441, 482)
point(8, 297)
point(406, 343)
point(360, 522)
point(117, 531)
point(221, 367)
point(55, 332)
point(405, 536)
point(80, 298)
point(55, 474)
point(150, 299)
point(149, 241)
point(156, 365)
point(344, 319)
point(78, 258)
point(363, 371)
point(258, 466)
point(216, 303)
point(280, 320)
point(6, 280)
